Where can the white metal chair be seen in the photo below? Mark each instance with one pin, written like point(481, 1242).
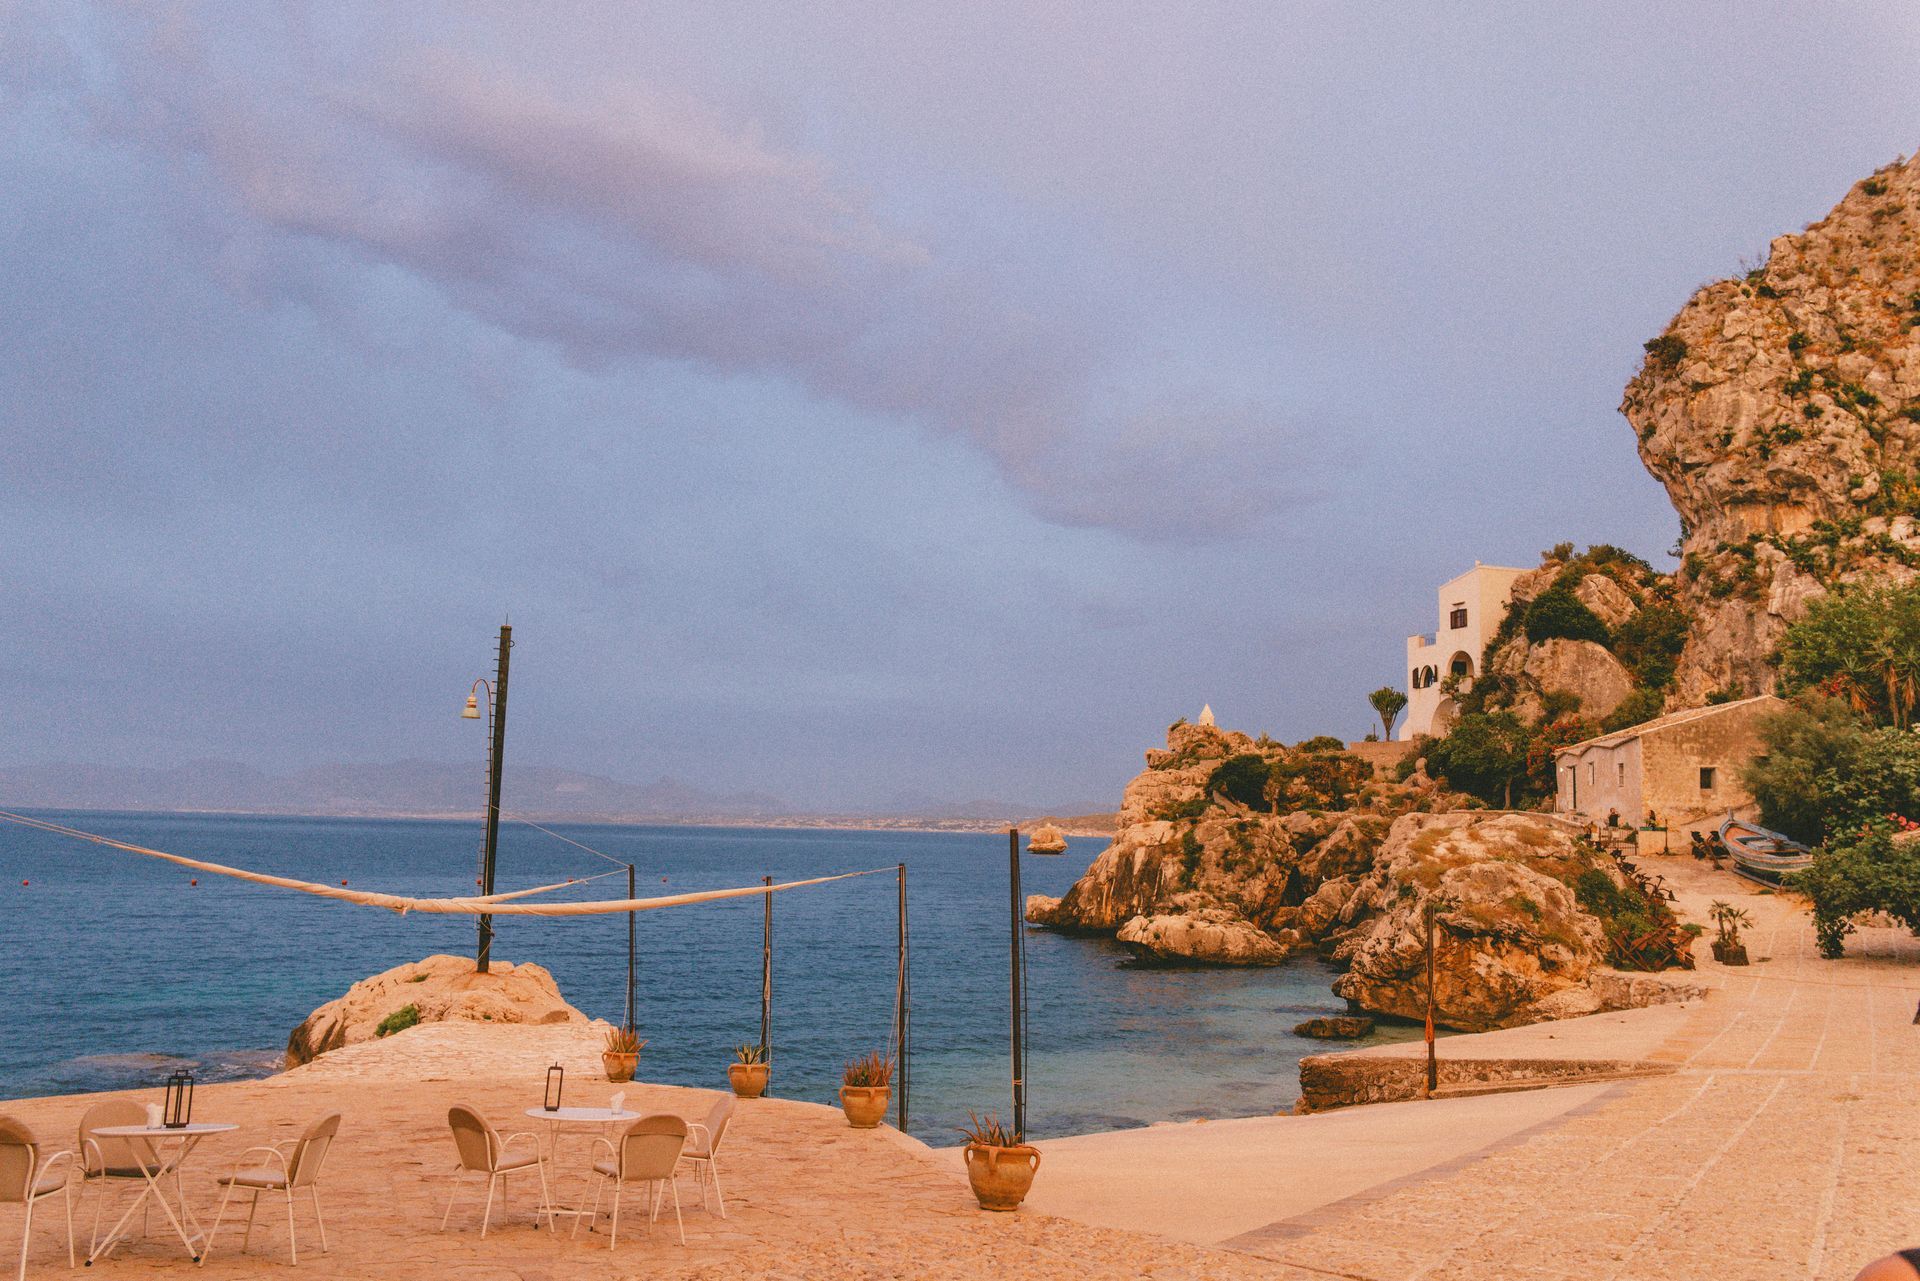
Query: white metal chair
point(29, 1175)
point(280, 1171)
point(648, 1152)
point(483, 1151)
point(703, 1148)
point(104, 1161)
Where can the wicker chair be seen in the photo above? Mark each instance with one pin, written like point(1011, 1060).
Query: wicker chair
point(29, 1175)
point(280, 1171)
point(482, 1151)
point(648, 1152)
point(703, 1148)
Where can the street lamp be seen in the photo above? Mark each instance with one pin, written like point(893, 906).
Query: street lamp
point(497, 723)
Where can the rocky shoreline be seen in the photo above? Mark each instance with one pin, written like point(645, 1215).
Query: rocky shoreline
point(1237, 851)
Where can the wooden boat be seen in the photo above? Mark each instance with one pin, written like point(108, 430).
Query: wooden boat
point(1760, 854)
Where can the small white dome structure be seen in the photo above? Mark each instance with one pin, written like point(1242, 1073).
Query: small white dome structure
point(1206, 715)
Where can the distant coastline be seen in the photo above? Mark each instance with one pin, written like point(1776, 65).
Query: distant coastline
point(1085, 826)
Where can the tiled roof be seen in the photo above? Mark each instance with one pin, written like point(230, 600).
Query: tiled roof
point(1659, 723)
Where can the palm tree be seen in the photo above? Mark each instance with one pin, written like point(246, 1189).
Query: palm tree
point(1389, 702)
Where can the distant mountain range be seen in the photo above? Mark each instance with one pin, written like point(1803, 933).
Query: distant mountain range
point(435, 789)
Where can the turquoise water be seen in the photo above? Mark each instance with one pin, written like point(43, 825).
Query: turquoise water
point(114, 965)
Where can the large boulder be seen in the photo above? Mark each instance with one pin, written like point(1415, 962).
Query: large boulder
point(1209, 936)
point(1583, 668)
point(1510, 931)
point(440, 989)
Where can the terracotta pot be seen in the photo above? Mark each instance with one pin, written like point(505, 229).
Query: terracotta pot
point(619, 1066)
point(749, 1080)
point(865, 1105)
point(1001, 1176)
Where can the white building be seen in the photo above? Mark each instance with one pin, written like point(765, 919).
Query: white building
point(1470, 610)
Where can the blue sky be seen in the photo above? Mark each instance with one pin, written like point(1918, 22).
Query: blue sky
point(854, 403)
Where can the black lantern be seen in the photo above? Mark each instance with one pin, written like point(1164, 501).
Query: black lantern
point(178, 1110)
point(556, 1077)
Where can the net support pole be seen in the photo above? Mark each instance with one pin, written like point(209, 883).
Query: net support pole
point(1433, 1064)
point(902, 1014)
point(1015, 983)
point(766, 980)
point(496, 757)
point(632, 893)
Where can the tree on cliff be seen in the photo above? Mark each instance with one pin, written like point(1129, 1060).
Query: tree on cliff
point(1484, 755)
point(1827, 772)
point(1389, 702)
point(1862, 645)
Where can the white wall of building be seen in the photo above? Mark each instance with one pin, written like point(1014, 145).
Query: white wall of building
point(1470, 609)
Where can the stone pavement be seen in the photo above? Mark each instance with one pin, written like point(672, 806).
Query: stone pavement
point(1787, 1146)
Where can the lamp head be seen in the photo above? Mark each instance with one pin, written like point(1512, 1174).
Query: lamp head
point(471, 712)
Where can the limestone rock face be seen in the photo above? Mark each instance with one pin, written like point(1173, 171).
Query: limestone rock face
point(1782, 413)
point(1209, 936)
point(1510, 933)
point(1582, 668)
point(1605, 598)
point(443, 988)
point(1178, 843)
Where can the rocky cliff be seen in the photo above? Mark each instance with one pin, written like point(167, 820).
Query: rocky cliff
point(1781, 410)
point(1238, 851)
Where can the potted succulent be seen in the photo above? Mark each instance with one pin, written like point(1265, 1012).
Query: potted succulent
point(748, 1076)
point(622, 1054)
point(999, 1165)
point(865, 1090)
point(1728, 919)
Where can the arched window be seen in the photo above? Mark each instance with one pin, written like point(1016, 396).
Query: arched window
point(1431, 675)
point(1462, 665)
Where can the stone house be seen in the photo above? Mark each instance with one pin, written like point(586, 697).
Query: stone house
point(1471, 608)
point(1683, 767)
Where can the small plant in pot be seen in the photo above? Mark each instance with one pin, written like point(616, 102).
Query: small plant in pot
point(1000, 1166)
point(1728, 920)
point(622, 1054)
point(865, 1090)
point(748, 1074)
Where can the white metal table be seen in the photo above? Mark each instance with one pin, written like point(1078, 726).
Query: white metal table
point(572, 1118)
point(188, 1137)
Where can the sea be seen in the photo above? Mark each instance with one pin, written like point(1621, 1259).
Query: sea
point(116, 968)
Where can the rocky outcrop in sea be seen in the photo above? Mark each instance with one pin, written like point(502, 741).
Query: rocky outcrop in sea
point(1236, 851)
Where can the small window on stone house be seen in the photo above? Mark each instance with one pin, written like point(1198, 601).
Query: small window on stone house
point(1621, 766)
point(1706, 778)
point(1458, 618)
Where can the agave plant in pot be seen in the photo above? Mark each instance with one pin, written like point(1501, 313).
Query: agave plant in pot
point(1000, 1166)
point(748, 1074)
point(622, 1054)
point(866, 1086)
point(1727, 921)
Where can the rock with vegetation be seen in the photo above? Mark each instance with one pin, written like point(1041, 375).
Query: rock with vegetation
point(437, 989)
point(1781, 410)
point(1245, 829)
point(1238, 851)
point(1524, 911)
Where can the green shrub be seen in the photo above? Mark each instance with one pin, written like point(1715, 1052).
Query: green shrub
point(398, 1021)
point(1642, 704)
point(1242, 779)
point(1558, 613)
point(1667, 349)
point(1649, 643)
point(1870, 873)
point(1322, 743)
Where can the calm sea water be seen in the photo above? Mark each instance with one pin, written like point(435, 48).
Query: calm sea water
point(112, 964)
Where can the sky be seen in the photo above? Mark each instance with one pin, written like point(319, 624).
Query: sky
point(873, 405)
